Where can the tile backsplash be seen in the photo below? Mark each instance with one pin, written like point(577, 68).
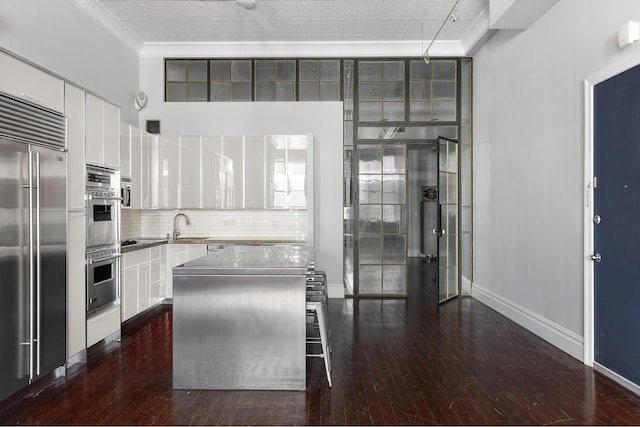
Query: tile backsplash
point(223, 224)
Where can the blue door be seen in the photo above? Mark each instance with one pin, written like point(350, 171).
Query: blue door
point(617, 224)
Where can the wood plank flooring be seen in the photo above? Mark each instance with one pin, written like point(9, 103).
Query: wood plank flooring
point(395, 362)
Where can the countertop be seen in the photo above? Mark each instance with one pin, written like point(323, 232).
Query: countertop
point(144, 243)
point(250, 260)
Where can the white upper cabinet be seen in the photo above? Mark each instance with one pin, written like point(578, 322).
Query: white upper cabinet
point(136, 167)
point(31, 84)
point(148, 156)
point(125, 149)
point(189, 172)
point(102, 132)
point(211, 149)
point(94, 130)
point(231, 176)
point(255, 172)
point(286, 163)
point(211, 157)
point(76, 179)
point(167, 173)
point(142, 153)
point(111, 136)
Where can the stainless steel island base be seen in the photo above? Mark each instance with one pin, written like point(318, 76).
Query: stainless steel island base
point(239, 320)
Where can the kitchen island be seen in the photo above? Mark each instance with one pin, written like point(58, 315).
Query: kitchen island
point(239, 319)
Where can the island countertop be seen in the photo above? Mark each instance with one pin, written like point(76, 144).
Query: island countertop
point(250, 260)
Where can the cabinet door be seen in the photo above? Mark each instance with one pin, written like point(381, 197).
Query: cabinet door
point(129, 293)
point(189, 172)
point(30, 83)
point(136, 168)
point(195, 251)
point(76, 284)
point(155, 287)
point(76, 179)
point(168, 171)
point(143, 287)
point(176, 255)
point(255, 177)
point(111, 135)
point(94, 130)
point(147, 184)
point(231, 175)
point(125, 149)
point(211, 157)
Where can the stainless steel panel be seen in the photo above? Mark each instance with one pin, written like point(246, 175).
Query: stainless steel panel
point(239, 332)
point(51, 291)
point(102, 232)
point(15, 308)
point(26, 122)
point(281, 259)
point(102, 283)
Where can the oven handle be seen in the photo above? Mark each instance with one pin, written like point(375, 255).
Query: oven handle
point(95, 261)
point(90, 197)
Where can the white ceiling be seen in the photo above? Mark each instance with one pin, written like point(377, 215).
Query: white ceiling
point(165, 21)
point(395, 27)
point(302, 27)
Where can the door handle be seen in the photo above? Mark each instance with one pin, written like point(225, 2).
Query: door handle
point(596, 257)
point(38, 265)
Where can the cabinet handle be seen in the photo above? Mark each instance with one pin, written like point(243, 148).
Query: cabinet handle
point(31, 98)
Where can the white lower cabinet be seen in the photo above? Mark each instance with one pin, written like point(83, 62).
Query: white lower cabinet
point(103, 325)
point(141, 281)
point(179, 254)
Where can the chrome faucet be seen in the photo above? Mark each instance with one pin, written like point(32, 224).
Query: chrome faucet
point(176, 230)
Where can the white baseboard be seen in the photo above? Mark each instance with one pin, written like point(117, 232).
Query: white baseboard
point(631, 386)
point(335, 290)
point(80, 357)
point(559, 336)
point(465, 288)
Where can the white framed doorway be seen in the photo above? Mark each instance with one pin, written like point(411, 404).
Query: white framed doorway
point(590, 356)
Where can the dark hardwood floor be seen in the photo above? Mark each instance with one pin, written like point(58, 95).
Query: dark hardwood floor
point(396, 361)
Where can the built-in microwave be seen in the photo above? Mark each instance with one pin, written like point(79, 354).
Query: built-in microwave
point(125, 192)
point(103, 207)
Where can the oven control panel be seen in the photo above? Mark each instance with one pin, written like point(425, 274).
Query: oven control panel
point(101, 254)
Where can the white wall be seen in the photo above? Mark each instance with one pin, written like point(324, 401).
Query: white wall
point(528, 157)
point(58, 36)
point(322, 119)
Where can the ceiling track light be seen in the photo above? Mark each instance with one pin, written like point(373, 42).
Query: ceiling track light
point(454, 18)
point(247, 4)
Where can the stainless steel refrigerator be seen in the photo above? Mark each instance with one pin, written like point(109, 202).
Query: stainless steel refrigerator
point(32, 243)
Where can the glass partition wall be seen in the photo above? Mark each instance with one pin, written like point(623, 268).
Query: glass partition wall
point(388, 104)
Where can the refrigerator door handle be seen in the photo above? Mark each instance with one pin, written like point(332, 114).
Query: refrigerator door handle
point(38, 263)
point(31, 267)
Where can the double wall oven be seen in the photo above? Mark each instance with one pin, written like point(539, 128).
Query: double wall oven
point(103, 201)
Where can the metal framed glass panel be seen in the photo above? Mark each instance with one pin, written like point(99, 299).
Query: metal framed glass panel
point(381, 225)
point(381, 91)
point(448, 239)
point(275, 80)
point(186, 80)
point(230, 80)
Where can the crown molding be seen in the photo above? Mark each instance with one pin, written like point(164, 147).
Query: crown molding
point(336, 49)
point(109, 22)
